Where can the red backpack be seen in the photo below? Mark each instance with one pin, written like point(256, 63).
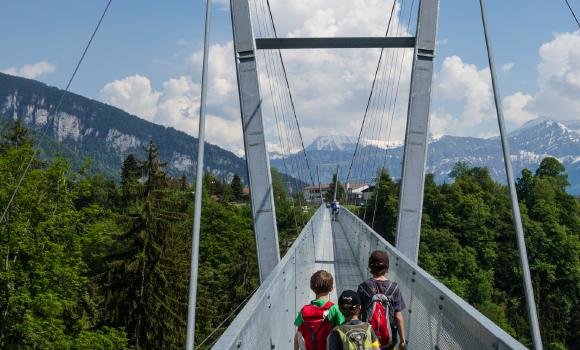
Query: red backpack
point(315, 326)
point(380, 312)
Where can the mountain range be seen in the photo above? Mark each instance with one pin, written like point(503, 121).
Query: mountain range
point(529, 144)
point(84, 128)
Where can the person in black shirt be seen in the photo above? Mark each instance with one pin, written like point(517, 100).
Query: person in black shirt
point(379, 266)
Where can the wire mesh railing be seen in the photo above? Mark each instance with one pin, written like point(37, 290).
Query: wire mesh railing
point(436, 318)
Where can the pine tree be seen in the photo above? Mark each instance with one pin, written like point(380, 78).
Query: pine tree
point(145, 282)
point(129, 178)
point(339, 190)
point(237, 188)
point(17, 135)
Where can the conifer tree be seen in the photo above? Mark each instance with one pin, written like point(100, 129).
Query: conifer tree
point(237, 187)
point(145, 283)
point(129, 178)
point(339, 190)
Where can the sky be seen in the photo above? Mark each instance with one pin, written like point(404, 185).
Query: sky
point(146, 59)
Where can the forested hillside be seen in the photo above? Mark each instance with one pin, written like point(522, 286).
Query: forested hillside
point(85, 128)
point(469, 244)
point(87, 263)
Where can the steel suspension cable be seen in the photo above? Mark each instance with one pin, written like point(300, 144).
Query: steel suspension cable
point(290, 96)
point(516, 216)
point(393, 111)
point(226, 319)
point(370, 96)
point(388, 93)
point(370, 151)
point(291, 137)
point(49, 119)
point(277, 115)
point(398, 66)
point(573, 13)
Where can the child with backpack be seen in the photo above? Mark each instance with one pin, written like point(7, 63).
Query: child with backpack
point(316, 320)
point(353, 334)
point(382, 303)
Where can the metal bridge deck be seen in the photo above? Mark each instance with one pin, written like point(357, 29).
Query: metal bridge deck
point(334, 254)
point(436, 318)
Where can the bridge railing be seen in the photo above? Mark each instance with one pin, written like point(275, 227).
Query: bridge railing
point(267, 320)
point(435, 318)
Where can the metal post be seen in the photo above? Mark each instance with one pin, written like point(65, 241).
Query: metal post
point(260, 179)
point(190, 340)
point(415, 151)
point(319, 186)
point(336, 183)
point(532, 315)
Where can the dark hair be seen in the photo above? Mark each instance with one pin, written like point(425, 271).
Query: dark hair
point(379, 263)
point(348, 311)
point(321, 282)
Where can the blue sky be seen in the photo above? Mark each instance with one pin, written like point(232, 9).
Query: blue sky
point(146, 60)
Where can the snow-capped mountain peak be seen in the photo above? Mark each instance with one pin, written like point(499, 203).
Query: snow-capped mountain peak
point(332, 143)
point(529, 145)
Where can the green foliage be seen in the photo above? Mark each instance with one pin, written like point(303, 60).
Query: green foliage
point(147, 273)
point(468, 243)
point(290, 214)
point(100, 123)
point(237, 188)
point(88, 264)
point(46, 299)
point(339, 190)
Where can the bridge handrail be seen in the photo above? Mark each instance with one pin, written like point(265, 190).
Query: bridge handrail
point(436, 318)
point(241, 334)
point(448, 311)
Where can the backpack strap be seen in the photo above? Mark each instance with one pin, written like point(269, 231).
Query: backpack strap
point(327, 306)
point(367, 289)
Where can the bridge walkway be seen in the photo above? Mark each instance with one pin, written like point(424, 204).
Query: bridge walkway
point(436, 318)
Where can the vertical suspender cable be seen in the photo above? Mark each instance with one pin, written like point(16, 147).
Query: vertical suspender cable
point(532, 315)
point(198, 190)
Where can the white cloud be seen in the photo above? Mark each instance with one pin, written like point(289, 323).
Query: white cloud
point(559, 78)
point(462, 84)
point(32, 71)
point(507, 67)
point(176, 105)
point(516, 108)
point(329, 87)
point(442, 124)
point(556, 97)
point(132, 94)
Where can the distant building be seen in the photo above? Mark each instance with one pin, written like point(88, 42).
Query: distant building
point(356, 192)
point(311, 194)
point(368, 193)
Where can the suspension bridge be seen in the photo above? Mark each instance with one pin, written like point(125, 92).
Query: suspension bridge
point(436, 318)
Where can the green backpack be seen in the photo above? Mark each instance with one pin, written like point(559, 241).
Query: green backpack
point(355, 337)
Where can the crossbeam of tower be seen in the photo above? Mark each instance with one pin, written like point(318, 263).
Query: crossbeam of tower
point(245, 46)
